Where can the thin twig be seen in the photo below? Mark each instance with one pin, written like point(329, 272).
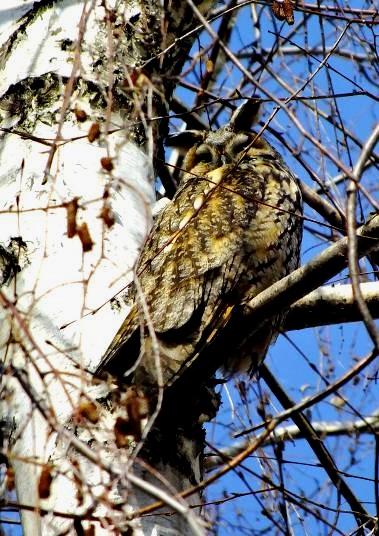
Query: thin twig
point(352, 236)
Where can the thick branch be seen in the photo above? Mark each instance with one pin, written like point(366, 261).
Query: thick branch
point(331, 305)
point(215, 351)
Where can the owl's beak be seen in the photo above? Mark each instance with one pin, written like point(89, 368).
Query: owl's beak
point(223, 159)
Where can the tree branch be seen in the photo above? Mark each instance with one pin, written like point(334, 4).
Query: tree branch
point(331, 305)
point(353, 257)
point(293, 432)
point(330, 262)
point(361, 515)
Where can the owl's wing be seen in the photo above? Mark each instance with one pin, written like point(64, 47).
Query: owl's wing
point(195, 245)
point(190, 259)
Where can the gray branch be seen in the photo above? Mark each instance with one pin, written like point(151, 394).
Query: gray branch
point(292, 432)
point(281, 295)
point(331, 305)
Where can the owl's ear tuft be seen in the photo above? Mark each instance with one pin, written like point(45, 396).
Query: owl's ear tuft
point(246, 115)
point(184, 140)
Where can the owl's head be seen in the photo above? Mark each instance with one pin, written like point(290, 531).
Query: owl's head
point(227, 145)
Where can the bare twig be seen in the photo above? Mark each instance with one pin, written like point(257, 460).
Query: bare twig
point(315, 399)
point(323, 207)
point(352, 236)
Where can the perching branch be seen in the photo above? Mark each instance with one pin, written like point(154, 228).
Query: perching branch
point(330, 262)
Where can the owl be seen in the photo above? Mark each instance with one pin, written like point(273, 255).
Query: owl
point(232, 229)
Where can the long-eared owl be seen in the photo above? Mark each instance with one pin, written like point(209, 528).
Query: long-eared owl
point(232, 229)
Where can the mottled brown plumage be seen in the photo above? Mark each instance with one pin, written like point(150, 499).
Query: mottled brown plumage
point(232, 229)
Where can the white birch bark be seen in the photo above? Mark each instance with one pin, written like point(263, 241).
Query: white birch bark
point(63, 293)
point(57, 318)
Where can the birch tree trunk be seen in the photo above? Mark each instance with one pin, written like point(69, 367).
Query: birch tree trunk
point(80, 83)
